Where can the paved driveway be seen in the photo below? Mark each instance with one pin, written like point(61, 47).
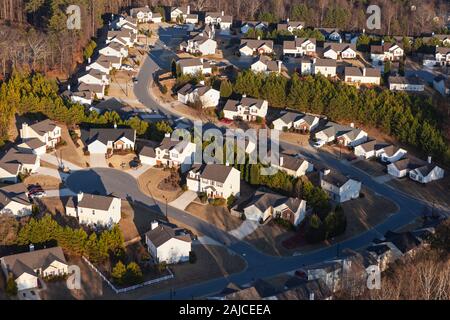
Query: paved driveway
point(52, 173)
point(97, 160)
point(184, 200)
point(52, 159)
point(245, 229)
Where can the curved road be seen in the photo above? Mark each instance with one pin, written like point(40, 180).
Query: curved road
point(259, 264)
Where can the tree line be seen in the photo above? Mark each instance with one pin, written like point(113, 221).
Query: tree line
point(409, 118)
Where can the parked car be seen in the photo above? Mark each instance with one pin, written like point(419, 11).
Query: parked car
point(318, 144)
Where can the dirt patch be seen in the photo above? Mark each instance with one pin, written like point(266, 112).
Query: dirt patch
point(150, 180)
point(46, 182)
point(436, 192)
point(218, 216)
point(70, 152)
point(121, 161)
point(295, 138)
point(268, 238)
point(371, 167)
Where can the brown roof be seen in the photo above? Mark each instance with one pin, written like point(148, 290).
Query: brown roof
point(358, 72)
point(255, 43)
point(163, 233)
point(30, 261)
point(45, 126)
point(325, 63)
point(190, 62)
point(335, 178)
point(15, 192)
point(15, 156)
point(244, 294)
point(339, 47)
point(373, 145)
point(147, 151)
point(216, 172)
point(91, 201)
point(406, 80)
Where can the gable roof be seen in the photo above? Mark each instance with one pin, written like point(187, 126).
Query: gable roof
point(359, 72)
point(339, 47)
point(44, 126)
point(335, 178)
point(404, 241)
point(147, 151)
point(105, 135)
point(290, 162)
point(406, 80)
point(29, 261)
point(96, 202)
point(264, 199)
point(231, 105)
point(325, 63)
point(14, 156)
point(373, 145)
point(216, 172)
point(255, 43)
point(14, 193)
point(163, 233)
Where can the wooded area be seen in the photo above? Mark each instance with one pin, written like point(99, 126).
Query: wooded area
point(33, 33)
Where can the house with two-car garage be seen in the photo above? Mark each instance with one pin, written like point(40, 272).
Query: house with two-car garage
point(108, 140)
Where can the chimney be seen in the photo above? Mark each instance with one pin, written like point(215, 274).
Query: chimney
point(115, 125)
point(223, 13)
point(429, 160)
point(326, 172)
point(259, 37)
point(352, 125)
point(364, 72)
point(281, 161)
point(80, 196)
point(154, 225)
point(167, 135)
point(68, 87)
point(227, 164)
point(295, 37)
point(244, 95)
point(202, 82)
point(287, 20)
point(382, 42)
point(279, 66)
point(89, 60)
point(311, 296)
point(188, 9)
point(201, 60)
point(31, 247)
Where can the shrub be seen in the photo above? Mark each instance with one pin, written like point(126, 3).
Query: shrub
point(243, 217)
point(164, 89)
point(203, 197)
point(192, 257)
point(11, 286)
point(230, 201)
point(217, 202)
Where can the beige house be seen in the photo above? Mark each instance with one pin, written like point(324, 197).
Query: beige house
point(46, 131)
point(299, 47)
point(247, 109)
point(14, 200)
point(358, 76)
point(340, 188)
point(250, 47)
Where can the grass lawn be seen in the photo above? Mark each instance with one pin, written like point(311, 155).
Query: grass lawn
point(70, 152)
point(149, 181)
point(46, 182)
point(268, 238)
point(371, 167)
point(218, 216)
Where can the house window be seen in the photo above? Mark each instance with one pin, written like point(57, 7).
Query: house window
point(93, 212)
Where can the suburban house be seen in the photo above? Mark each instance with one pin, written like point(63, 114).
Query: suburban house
point(175, 153)
point(207, 96)
point(266, 65)
point(85, 98)
point(216, 180)
point(114, 62)
point(33, 145)
point(193, 66)
point(106, 140)
point(128, 23)
point(414, 84)
point(94, 91)
point(124, 37)
point(191, 19)
point(339, 187)
point(370, 149)
point(246, 26)
point(307, 66)
point(299, 47)
point(442, 56)
point(326, 67)
point(220, 20)
point(345, 135)
point(147, 155)
point(294, 166)
point(94, 77)
point(355, 75)
point(14, 200)
point(250, 47)
point(200, 44)
point(28, 267)
point(46, 131)
point(400, 244)
point(167, 243)
point(392, 153)
point(296, 121)
point(386, 52)
point(331, 34)
point(290, 26)
point(427, 173)
point(306, 290)
point(180, 13)
point(384, 253)
point(142, 14)
point(442, 85)
point(402, 167)
point(247, 109)
point(15, 162)
point(265, 204)
point(334, 50)
point(114, 49)
point(102, 65)
point(95, 210)
point(329, 272)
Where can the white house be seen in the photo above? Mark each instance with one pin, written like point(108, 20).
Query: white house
point(266, 65)
point(142, 14)
point(253, 25)
point(247, 109)
point(214, 18)
point(340, 188)
point(95, 210)
point(102, 65)
point(443, 56)
point(104, 140)
point(250, 47)
point(386, 52)
point(334, 50)
point(200, 44)
point(180, 13)
point(442, 85)
point(46, 131)
point(15, 162)
point(124, 37)
point(114, 49)
point(207, 96)
point(307, 66)
point(28, 267)
point(427, 173)
point(147, 155)
point(330, 272)
point(345, 135)
point(370, 149)
point(355, 75)
point(413, 84)
point(290, 26)
point(392, 154)
point(193, 66)
point(216, 180)
point(293, 166)
point(224, 22)
point(33, 145)
point(331, 34)
point(401, 168)
point(265, 204)
point(85, 98)
point(325, 67)
point(297, 121)
point(14, 200)
point(91, 91)
point(299, 47)
point(167, 243)
point(175, 153)
point(94, 77)
point(128, 23)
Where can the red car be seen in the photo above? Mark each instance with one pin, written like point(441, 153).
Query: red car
point(226, 121)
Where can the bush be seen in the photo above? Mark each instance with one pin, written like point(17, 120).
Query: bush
point(243, 217)
point(230, 201)
point(11, 287)
point(192, 257)
point(217, 202)
point(203, 197)
point(164, 89)
point(162, 266)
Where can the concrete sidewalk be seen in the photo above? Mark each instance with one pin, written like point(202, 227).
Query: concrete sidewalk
point(184, 200)
point(245, 229)
point(59, 193)
point(52, 159)
point(44, 171)
point(98, 160)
